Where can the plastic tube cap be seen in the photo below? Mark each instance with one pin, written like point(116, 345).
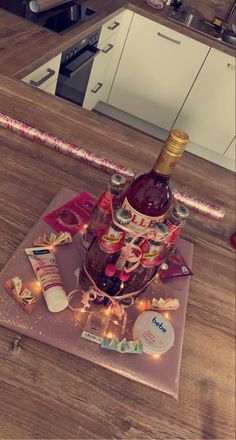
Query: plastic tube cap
point(56, 299)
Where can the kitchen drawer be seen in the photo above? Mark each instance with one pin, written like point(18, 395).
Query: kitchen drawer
point(96, 84)
point(44, 75)
point(50, 88)
point(111, 27)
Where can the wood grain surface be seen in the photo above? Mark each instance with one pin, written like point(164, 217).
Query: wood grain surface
point(26, 46)
point(48, 394)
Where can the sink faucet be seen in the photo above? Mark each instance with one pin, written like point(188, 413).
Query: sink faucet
point(230, 13)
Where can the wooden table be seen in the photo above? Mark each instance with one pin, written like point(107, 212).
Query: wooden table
point(46, 393)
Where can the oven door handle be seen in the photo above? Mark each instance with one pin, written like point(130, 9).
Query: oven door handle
point(73, 67)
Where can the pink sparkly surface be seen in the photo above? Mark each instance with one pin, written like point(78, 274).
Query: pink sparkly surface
point(60, 331)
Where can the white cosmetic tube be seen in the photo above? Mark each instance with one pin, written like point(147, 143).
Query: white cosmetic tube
point(46, 271)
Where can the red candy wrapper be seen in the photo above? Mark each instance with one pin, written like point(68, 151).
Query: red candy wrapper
point(177, 266)
point(72, 216)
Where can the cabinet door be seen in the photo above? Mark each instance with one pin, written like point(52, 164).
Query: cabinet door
point(208, 114)
point(105, 64)
point(157, 68)
point(45, 75)
point(96, 82)
point(230, 152)
point(120, 41)
point(111, 27)
point(50, 88)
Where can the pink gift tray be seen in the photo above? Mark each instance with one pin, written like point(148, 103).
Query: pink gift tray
point(59, 329)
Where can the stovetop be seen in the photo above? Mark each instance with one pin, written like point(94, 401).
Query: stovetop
point(59, 19)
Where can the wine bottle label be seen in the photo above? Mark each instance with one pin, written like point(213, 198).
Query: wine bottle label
point(112, 240)
point(104, 203)
point(139, 221)
point(165, 163)
point(174, 232)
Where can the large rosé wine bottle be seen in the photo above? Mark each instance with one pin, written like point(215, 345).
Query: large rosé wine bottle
point(148, 197)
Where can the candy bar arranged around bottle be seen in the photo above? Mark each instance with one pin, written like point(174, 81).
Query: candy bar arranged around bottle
point(128, 239)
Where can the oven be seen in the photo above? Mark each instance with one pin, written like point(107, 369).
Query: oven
point(75, 68)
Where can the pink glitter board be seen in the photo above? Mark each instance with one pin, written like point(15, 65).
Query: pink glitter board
point(59, 329)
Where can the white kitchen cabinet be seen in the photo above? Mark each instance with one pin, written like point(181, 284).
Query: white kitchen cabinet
point(110, 43)
point(96, 82)
point(230, 152)
point(112, 26)
point(45, 77)
point(50, 88)
point(156, 71)
point(208, 114)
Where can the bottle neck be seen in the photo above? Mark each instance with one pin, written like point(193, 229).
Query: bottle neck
point(167, 159)
point(175, 220)
point(165, 164)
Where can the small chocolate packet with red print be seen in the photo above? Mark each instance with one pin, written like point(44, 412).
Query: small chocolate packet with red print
point(72, 216)
point(177, 266)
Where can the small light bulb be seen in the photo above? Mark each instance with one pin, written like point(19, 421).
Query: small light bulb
point(107, 311)
point(156, 356)
point(140, 304)
point(167, 315)
point(109, 335)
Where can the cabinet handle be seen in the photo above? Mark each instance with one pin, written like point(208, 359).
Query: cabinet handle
point(231, 66)
point(113, 26)
point(44, 79)
point(108, 48)
point(97, 87)
point(168, 38)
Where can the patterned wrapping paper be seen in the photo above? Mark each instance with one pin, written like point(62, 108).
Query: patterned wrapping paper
point(195, 203)
point(64, 146)
point(199, 205)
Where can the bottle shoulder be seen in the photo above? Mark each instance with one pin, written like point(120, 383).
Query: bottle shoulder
point(150, 193)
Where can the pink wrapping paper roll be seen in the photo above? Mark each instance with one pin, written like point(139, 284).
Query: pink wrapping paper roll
point(199, 205)
point(44, 5)
point(64, 146)
point(48, 140)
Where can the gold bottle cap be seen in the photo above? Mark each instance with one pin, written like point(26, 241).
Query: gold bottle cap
point(176, 142)
point(172, 150)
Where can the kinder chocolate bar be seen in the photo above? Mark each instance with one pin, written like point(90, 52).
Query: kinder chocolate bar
point(177, 266)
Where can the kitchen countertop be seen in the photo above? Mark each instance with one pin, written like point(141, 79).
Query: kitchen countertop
point(82, 400)
point(25, 46)
point(46, 393)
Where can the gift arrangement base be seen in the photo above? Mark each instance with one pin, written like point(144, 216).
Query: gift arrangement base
point(61, 331)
